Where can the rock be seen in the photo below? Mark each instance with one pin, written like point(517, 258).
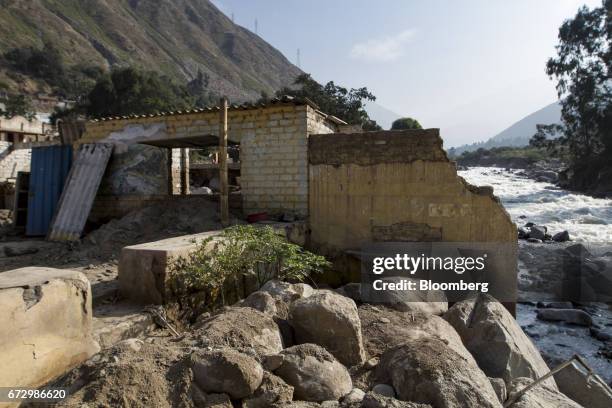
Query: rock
point(271, 391)
point(241, 328)
point(601, 334)
point(373, 400)
point(430, 372)
point(314, 373)
point(384, 389)
point(329, 320)
point(537, 232)
point(226, 371)
point(286, 291)
point(132, 344)
point(495, 339)
point(572, 316)
point(575, 382)
point(499, 385)
point(423, 301)
point(522, 233)
point(541, 396)
point(330, 404)
point(402, 327)
point(356, 395)
point(273, 361)
point(372, 363)
point(261, 301)
point(534, 240)
point(351, 290)
point(578, 251)
point(555, 305)
point(562, 236)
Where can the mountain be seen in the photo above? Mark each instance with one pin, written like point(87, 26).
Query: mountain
point(174, 37)
point(520, 132)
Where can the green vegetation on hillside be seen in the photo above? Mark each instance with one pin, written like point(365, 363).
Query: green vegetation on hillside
point(583, 70)
point(16, 105)
point(503, 155)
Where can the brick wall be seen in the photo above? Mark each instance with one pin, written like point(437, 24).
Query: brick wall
point(273, 143)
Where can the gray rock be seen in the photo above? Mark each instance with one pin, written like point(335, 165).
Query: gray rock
point(537, 232)
point(273, 361)
point(372, 363)
point(356, 395)
point(329, 320)
point(351, 290)
point(495, 339)
point(428, 371)
point(427, 301)
point(272, 390)
point(586, 390)
point(562, 236)
point(226, 371)
point(288, 292)
point(384, 389)
point(534, 240)
point(261, 301)
point(314, 373)
point(241, 328)
point(373, 400)
point(541, 396)
point(555, 305)
point(499, 385)
point(19, 251)
point(213, 401)
point(572, 316)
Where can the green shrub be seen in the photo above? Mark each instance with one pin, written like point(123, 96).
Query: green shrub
point(260, 253)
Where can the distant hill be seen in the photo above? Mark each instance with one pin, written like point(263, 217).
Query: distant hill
point(173, 37)
point(520, 132)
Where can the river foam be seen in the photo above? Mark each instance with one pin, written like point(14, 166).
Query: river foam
point(586, 218)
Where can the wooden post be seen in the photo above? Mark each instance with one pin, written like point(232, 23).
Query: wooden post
point(223, 187)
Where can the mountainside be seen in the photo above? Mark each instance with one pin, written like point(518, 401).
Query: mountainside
point(520, 132)
point(174, 37)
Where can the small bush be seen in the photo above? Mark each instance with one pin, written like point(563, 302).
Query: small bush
point(259, 253)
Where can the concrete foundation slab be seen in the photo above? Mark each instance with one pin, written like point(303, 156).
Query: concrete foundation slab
point(46, 322)
point(143, 268)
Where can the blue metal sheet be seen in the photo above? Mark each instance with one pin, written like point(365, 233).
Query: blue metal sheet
point(48, 172)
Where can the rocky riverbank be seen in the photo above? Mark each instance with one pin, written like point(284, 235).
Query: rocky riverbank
point(289, 345)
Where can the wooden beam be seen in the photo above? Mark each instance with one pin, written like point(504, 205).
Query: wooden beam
point(223, 182)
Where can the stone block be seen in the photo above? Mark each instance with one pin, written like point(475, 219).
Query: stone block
point(143, 268)
point(46, 323)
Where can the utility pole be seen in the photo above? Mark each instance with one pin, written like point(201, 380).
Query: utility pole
point(299, 63)
point(223, 183)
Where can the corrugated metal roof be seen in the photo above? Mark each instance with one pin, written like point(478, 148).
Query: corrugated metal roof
point(48, 171)
point(80, 191)
point(285, 100)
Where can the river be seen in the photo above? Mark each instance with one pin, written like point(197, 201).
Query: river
point(586, 218)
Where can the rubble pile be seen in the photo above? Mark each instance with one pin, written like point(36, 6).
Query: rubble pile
point(289, 345)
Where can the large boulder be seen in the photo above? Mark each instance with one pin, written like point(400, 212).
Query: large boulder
point(329, 320)
point(273, 390)
point(495, 339)
point(242, 328)
point(428, 371)
point(314, 373)
point(586, 389)
point(424, 301)
point(288, 292)
point(374, 400)
point(571, 316)
point(260, 300)
point(541, 396)
point(226, 371)
point(384, 328)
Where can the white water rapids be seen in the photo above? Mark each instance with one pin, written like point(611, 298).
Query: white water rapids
point(586, 218)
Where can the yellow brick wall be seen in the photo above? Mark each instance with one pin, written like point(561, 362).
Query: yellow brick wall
point(274, 149)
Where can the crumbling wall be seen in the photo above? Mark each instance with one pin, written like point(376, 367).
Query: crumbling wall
point(396, 186)
point(273, 142)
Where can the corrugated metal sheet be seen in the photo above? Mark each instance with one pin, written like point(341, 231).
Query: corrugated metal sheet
point(80, 191)
point(48, 172)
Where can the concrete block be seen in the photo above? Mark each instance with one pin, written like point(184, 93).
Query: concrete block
point(143, 268)
point(46, 323)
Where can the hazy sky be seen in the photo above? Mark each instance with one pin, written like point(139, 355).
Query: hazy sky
point(470, 67)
